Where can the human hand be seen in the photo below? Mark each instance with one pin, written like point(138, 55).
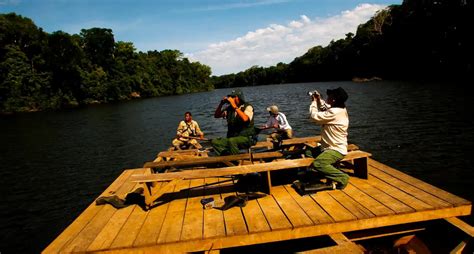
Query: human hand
point(275, 126)
point(232, 102)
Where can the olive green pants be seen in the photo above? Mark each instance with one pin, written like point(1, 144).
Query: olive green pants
point(324, 164)
point(227, 146)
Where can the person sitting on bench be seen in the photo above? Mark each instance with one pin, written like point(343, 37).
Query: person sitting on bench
point(187, 133)
point(277, 120)
point(334, 121)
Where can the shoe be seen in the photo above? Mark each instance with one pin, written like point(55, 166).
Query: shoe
point(232, 201)
point(112, 200)
point(299, 187)
point(320, 187)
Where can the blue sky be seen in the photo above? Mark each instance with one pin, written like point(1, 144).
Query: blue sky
point(228, 35)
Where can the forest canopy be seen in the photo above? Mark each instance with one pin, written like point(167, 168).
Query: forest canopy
point(40, 71)
point(417, 40)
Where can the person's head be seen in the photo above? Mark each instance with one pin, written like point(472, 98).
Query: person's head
point(188, 117)
point(238, 95)
point(273, 110)
point(337, 97)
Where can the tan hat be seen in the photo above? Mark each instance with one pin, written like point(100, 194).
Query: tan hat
point(273, 109)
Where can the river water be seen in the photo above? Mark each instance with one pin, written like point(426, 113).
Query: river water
point(54, 164)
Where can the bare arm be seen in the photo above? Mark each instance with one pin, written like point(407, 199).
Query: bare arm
point(219, 112)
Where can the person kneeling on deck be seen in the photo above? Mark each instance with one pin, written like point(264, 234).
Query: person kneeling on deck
point(277, 120)
point(333, 118)
point(187, 133)
point(241, 133)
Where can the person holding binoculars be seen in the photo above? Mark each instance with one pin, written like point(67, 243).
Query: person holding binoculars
point(241, 133)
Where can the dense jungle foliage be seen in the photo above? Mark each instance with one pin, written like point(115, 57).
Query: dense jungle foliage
point(40, 71)
point(417, 40)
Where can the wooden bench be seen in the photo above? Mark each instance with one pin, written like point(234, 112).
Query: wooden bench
point(173, 178)
point(360, 160)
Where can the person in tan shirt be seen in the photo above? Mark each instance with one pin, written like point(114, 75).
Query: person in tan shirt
point(187, 133)
point(334, 120)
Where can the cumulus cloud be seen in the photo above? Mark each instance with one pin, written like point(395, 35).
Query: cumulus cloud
point(281, 43)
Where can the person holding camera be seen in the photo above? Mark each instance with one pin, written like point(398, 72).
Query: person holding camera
point(333, 117)
point(241, 133)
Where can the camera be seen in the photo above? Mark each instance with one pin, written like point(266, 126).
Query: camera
point(314, 92)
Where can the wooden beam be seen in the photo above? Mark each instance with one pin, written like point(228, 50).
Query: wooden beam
point(468, 229)
point(237, 170)
point(212, 160)
point(298, 232)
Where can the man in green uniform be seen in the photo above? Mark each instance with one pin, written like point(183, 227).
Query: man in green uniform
point(241, 133)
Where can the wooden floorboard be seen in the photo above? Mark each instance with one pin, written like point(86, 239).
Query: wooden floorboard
point(179, 223)
point(214, 225)
point(233, 218)
point(85, 217)
point(152, 225)
point(333, 207)
point(295, 214)
point(442, 194)
point(173, 223)
point(194, 215)
point(87, 235)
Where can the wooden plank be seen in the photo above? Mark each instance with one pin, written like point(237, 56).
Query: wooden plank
point(234, 218)
point(273, 213)
point(172, 225)
point(152, 225)
point(237, 170)
point(302, 232)
point(287, 142)
point(213, 219)
point(332, 207)
point(398, 194)
point(213, 160)
point(104, 239)
point(130, 229)
point(466, 228)
point(355, 155)
point(296, 215)
point(96, 224)
point(76, 227)
point(350, 204)
point(254, 217)
point(193, 216)
point(367, 201)
point(343, 246)
point(383, 198)
point(444, 195)
point(311, 208)
point(410, 189)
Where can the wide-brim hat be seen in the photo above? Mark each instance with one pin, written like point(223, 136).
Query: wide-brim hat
point(273, 109)
point(339, 94)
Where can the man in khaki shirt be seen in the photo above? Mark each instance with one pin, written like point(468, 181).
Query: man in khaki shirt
point(188, 132)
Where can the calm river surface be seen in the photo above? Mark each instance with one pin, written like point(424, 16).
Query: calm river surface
point(54, 164)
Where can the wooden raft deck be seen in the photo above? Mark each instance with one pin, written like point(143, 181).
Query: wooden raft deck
point(388, 197)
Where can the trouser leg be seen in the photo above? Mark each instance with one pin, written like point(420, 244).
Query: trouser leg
point(323, 164)
point(235, 143)
point(219, 145)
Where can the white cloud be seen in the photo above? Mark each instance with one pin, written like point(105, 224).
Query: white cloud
point(281, 43)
